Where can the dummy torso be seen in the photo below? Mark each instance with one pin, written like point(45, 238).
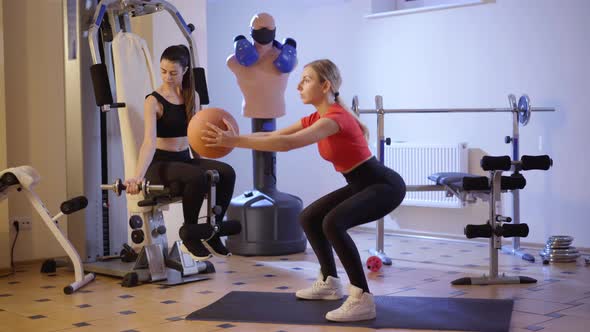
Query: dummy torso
point(262, 84)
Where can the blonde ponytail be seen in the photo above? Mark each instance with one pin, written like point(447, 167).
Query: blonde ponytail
point(364, 128)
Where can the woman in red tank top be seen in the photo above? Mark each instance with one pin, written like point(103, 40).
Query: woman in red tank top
point(372, 190)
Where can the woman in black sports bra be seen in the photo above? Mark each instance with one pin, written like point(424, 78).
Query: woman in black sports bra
point(165, 158)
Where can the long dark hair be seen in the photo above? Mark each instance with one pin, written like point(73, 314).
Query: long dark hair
point(180, 54)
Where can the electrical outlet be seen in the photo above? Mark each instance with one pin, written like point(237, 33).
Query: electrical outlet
point(24, 223)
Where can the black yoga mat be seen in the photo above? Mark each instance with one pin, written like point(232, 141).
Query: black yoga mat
point(433, 313)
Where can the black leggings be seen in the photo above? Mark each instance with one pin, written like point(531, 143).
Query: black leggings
point(188, 176)
point(372, 192)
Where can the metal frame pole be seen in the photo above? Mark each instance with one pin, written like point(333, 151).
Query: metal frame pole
point(515, 140)
point(381, 157)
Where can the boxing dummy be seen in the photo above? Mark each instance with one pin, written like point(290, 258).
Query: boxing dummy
point(262, 68)
point(269, 218)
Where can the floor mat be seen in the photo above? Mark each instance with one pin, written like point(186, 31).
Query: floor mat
point(433, 313)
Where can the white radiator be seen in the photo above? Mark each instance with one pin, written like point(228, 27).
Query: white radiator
point(415, 162)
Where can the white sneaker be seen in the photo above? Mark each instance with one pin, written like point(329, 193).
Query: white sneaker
point(358, 306)
point(331, 289)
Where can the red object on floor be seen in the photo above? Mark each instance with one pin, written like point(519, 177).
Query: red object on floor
point(374, 263)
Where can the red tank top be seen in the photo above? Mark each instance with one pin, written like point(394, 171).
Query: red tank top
point(346, 148)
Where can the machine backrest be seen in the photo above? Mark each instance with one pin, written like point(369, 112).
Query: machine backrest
point(135, 79)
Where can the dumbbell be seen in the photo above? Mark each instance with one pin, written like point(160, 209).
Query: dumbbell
point(145, 187)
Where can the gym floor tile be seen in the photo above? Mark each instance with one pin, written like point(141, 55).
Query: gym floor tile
point(558, 302)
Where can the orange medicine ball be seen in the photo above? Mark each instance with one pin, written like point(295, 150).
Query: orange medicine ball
point(199, 122)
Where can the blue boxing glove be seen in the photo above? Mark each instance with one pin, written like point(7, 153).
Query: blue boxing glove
point(287, 59)
point(246, 53)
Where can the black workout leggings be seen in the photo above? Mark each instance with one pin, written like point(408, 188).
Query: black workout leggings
point(372, 192)
point(188, 176)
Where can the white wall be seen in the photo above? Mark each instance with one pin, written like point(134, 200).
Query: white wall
point(464, 57)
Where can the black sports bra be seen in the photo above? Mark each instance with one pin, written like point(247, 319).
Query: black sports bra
point(173, 122)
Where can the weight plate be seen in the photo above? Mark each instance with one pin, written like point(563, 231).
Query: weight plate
point(524, 110)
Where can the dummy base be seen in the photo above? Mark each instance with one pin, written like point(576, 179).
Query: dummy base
point(270, 224)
